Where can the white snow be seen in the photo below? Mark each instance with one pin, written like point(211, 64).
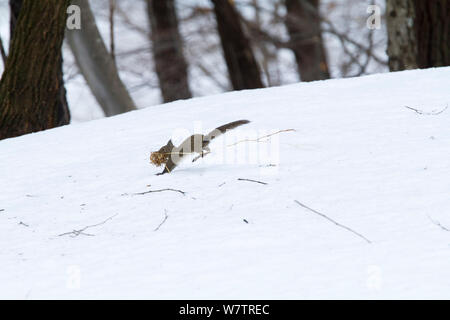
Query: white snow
point(358, 155)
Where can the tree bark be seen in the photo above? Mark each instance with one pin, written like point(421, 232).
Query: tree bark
point(31, 86)
point(14, 6)
point(242, 66)
point(63, 107)
point(170, 64)
point(402, 42)
point(303, 24)
point(418, 34)
point(432, 28)
point(97, 65)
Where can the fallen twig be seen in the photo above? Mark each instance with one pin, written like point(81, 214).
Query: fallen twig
point(437, 223)
point(76, 233)
point(260, 138)
point(23, 224)
point(433, 113)
point(1, 210)
point(160, 190)
point(333, 221)
point(165, 218)
point(241, 179)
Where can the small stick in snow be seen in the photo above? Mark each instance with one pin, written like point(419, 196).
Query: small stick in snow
point(23, 224)
point(433, 113)
point(76, 233)
point(1, 210)
point(165, 218)
point(260, 138)
point(160, 190)
point(260, 182)
point(336, 223)
point(437, 223)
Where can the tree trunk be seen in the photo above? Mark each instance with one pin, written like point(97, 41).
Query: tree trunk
point(14, 6)
point(303, 24)
point(432, 27)
point(97, 65)
point(418, 33)
point(63, 107)
point(402, 42)
point(30, 88)
point(171, 67)
point(242, 66)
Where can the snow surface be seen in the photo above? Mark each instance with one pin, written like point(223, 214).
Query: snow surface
point(358, 156)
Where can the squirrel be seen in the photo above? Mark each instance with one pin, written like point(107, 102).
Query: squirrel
point(170, 156)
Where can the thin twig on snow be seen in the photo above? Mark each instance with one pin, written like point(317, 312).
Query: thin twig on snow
point(160, 190)
point(432, 113)
point(333, 221)
point(437, 223)
point(256, 181)
point(164, 220)
point(76, 233)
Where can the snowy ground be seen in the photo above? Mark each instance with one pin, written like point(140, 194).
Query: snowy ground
point(358, 156)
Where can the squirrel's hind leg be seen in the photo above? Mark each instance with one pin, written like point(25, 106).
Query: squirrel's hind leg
point(204, 152)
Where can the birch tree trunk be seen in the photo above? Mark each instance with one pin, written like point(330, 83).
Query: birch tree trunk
point(402, 41)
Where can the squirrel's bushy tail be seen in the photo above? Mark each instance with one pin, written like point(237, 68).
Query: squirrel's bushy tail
point(222, 129)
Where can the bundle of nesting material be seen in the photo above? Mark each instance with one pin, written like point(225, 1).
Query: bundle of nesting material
point(158, 158)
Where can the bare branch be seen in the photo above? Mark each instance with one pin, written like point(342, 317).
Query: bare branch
point(160, 190)
point(433, 113)
point(76, 233)
point(256, 181)
point(437, 223)
point(260, 138)
point(333, 221)
point(165, 218)
point(112, 50)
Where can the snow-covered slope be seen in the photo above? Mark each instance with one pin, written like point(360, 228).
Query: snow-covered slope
point(358, 156)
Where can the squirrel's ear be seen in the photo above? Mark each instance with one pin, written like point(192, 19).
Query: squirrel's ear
point(170, 144)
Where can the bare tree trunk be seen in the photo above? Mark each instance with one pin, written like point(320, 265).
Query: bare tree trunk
point(30, 88)
point(268, 55)
point(418, 34)
point(432, 28)
point(97, 65)
point(14, 6)
point(303, 24)
point(171, 67)
point(402, 41)
point(242, 66)
point(63, 107)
